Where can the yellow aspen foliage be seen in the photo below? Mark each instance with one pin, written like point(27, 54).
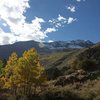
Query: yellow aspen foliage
point(24, 73)
point(29, 68)
point(10, 70)
point(11, 64)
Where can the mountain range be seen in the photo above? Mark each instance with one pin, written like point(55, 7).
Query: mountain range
point(42, 47)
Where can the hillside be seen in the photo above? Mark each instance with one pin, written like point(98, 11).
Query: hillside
point(92, 53)
point(63, 58)
point(68, 61)
point(78, 82)
point(58, 59)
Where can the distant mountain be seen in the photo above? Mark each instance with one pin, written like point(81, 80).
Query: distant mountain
point(69, 44)
point(20, 47)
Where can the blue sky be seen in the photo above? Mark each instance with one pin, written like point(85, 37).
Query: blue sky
point(49, 20)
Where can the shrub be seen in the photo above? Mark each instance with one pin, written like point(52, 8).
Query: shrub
point(85, 64)
point(53, 73)
point(60, 94)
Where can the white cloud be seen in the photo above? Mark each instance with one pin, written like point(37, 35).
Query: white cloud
point(58, 25)
point(60, 21)
point(4, 24)
point(6, 38)
point(12, 13)
point(80, 0)
point(49, 30)
point(60, 18)
point(71, 8)
point(70, 20)
point(50, 41)
point(41, 45)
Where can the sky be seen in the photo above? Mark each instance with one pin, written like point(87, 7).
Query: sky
point(49, 20)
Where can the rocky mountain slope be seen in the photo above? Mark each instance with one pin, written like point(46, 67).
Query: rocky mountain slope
point(65, 62)
point(69, 44)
